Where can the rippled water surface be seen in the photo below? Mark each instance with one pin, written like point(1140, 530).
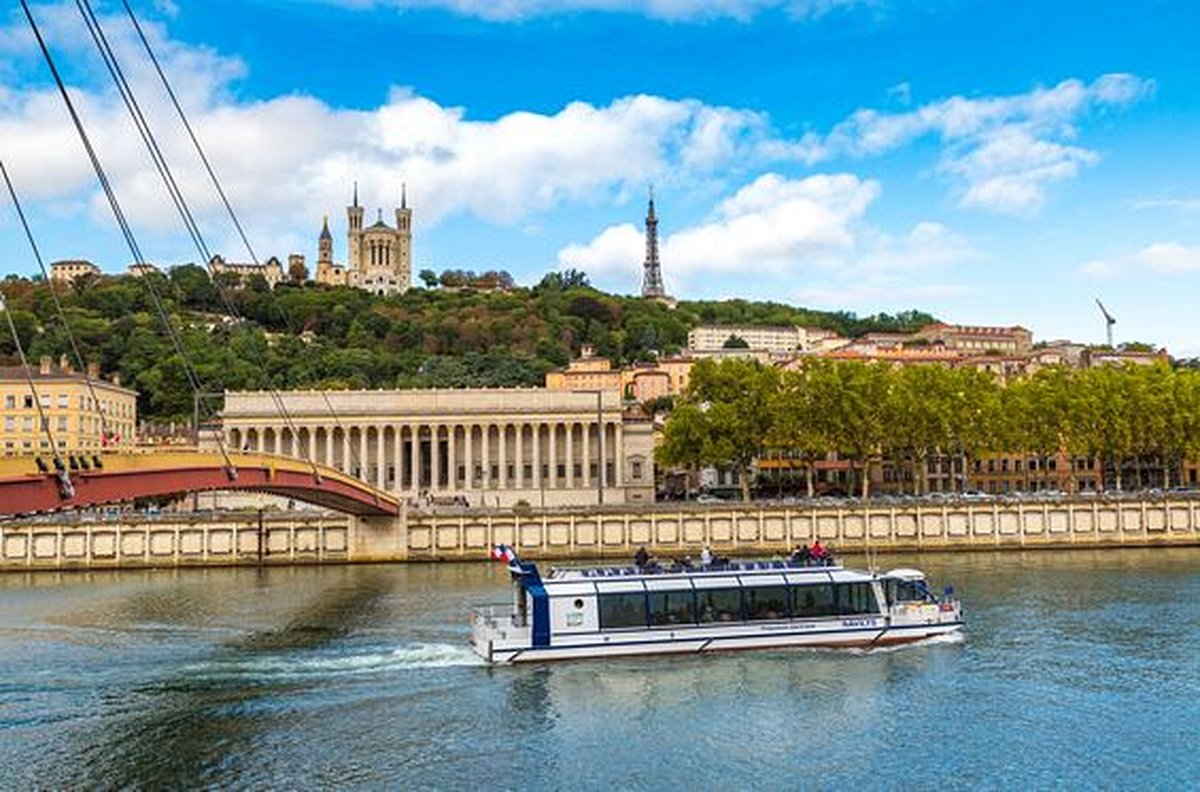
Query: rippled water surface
point(1077, 670)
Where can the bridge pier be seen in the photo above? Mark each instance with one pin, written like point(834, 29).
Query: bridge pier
point(379, 538)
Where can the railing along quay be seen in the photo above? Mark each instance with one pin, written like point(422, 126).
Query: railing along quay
point(669, 530)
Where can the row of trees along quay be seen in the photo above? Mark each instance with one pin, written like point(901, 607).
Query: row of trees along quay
point(462, 331)
point(735, 412)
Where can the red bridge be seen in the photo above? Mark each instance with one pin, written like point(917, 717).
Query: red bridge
point(127, 476)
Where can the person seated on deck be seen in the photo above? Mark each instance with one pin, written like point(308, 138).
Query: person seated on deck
point(641, 558)
point(817, 552)
point(706, 557)
point(801, 555)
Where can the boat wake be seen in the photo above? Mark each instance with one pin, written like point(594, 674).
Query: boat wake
point(303, 666)
point(935, 640)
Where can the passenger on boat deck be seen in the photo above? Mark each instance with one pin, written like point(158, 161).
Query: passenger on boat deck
point(801, 554)
point(641, 558)
point(706, 557)
point(817, 552)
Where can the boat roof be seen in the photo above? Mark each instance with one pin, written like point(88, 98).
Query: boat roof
point(768, 571)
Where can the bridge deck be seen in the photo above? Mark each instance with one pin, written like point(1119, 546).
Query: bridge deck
point(129, 475)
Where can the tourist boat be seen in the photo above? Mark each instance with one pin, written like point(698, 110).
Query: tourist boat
point(725, 605)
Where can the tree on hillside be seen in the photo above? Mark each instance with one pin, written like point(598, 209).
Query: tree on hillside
point(429, 278)
point(735, 342)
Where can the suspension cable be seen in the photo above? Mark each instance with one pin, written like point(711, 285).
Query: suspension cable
point(122, 222)
point(58, 308)
point(43, 420)
point(177, 198)
point(216, 182)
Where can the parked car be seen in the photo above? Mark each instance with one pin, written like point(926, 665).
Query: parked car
point(707, 498)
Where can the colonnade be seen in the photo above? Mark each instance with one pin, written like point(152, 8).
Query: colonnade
point(453, 458)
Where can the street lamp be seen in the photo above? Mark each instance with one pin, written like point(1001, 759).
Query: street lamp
point(600, 437)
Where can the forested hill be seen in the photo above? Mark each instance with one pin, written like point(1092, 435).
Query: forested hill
point(306, 336)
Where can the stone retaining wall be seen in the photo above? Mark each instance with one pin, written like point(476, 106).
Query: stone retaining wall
point(613, 533)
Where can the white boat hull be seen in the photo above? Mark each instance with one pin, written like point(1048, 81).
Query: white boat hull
point(872, 632)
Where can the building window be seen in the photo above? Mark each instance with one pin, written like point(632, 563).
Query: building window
point(28, 402)
point(62, 423)
point(64, 400)
point(637, 469)
point(10, 401)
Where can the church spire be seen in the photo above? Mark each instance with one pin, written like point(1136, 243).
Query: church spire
point(652, 283)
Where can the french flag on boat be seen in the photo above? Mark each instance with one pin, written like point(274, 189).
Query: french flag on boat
point(504, 553)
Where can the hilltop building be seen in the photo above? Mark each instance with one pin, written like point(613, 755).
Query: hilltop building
point(65, 272)
point(379, 256)
point(270, 270)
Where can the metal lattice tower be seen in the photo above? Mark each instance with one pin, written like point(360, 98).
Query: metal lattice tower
point(652, 282)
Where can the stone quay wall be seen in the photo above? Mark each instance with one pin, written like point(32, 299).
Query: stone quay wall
point(615, 532)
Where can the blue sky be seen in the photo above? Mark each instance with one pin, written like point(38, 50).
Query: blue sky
point(991, 163)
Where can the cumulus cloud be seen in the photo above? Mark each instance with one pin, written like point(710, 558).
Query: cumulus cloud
point(287, 157)
point(1004, 152)
point(780, 231)
point(674, 10)
point(772, 225)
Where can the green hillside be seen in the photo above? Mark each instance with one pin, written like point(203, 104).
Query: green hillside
point(306, 336)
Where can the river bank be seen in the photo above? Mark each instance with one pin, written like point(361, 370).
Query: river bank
point(669, 531)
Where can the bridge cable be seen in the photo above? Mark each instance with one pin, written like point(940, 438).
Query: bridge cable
point(65, 488)
point(105, 435)
point(225, 201)
point(177, 197)
point(122, 222)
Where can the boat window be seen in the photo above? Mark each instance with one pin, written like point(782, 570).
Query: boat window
point(719, 605)
point(622, 610)
point(668, 608)
point(766, 602)
point(855, 598)
point(908, 591)
point(812, 600)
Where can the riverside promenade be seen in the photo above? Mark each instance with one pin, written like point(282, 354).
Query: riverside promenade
point(666, 530)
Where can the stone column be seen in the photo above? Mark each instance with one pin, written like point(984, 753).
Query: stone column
point(553, 451)
point(519, 468)
point(468, 457)
point(435, 482)
point(381, 457)
point(502, 430)
point(415, 456)
point(398, 455)
point(452, 462)
point(346, 466)
point(535, 436)
point(570, 427)
point(619, 456)
point(312, 444)
point(329, 446)
point(487, 458)
point(586, 460)
point(364, 457)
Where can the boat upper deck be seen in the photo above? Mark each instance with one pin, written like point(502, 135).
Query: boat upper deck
point(722, 568)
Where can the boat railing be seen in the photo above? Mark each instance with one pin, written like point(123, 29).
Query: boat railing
point(495, 614)
point(721, 565)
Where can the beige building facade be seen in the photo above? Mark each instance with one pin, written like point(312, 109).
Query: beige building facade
point(494, 447)
point(72, 414)
point(66, 272)
point(270, 270)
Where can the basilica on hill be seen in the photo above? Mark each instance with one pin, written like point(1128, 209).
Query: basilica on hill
point(380, 256)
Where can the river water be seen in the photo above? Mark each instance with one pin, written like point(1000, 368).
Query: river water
point(1078, 669)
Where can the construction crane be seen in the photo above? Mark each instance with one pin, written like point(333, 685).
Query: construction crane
point(1108, 322)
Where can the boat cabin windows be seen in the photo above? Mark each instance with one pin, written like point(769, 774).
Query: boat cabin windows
point(719, 605)
point(854, 598)
point(622, 610)
point(764, 603)
point(897, 590)
point(813, 600)
point(668, 608)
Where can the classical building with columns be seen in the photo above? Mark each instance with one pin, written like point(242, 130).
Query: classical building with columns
point(493, 446)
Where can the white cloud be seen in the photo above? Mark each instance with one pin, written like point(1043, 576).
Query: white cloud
point(772, 226)
point(675, 10)
point(292, 156)
point(780, 231)
point(1183, 205)
point(1004, 151)
point(1167, 258)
